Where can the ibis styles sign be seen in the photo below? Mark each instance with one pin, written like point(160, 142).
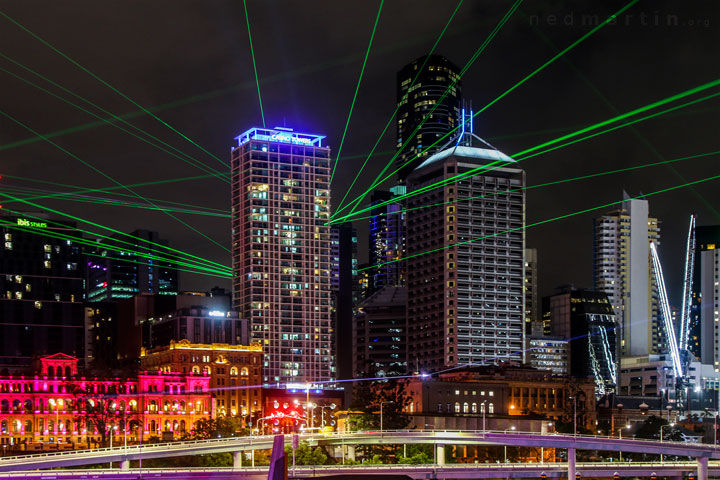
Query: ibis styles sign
point(24, 222)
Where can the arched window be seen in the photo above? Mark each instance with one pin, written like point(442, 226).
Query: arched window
point(4, 405)
point(175, 426)
point(133, 405)
point(153, 406)
point(68, 372)
point(16, 425)
point(68, 426)
point(182, 405)
point(153, 426)
point(122, 405)
point(40, 404)
point(457, 407)
point(195, 369)
point(491, 408)
point(244, 371)
point(166, 405)
point(233, 371)
point(16, 405)
point(474, 407)
point(167, 426)
point(51, 371)
point(466, 407)
point(182, 425)
point(4, 426)
point(28, 426)
point(206, 369)
point(51, 426)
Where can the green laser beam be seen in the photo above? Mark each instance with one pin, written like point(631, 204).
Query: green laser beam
point(357, 89)
point(82, 241)
point(74, 62)
point(643, 140)
point(511, 89)
point(189, 160)
point(545, 184)
point(354, 204)
point(387, 125)
point(252, 54)
point(477, 170)
point(5, 114)
point(103, 227)
point(542, 222)
point(137, 262)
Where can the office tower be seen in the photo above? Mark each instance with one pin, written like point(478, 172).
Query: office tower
point(623, 270)
point(702, 339)
point(545, 353)
point(586, 319)
point(102, 331)
point(379, 334)
point(387, 239)
point(198, 324)
point(112, 275)
point(343, 261)
point(418, 99)
point(465, 250)
point(530, 283)
point(41, 291)
point(281, 250)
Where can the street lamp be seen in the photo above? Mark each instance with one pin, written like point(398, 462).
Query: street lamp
point(712, 410)
point(381, 414)
point(620, 433)
point(505, 449)
point(661, 437)
point(482, 409)
point(574, 399)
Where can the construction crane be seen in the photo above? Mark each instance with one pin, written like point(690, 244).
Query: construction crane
point(684, 330)
point(666, 314)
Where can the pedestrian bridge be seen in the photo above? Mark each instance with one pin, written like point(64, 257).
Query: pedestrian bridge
point(236, 445)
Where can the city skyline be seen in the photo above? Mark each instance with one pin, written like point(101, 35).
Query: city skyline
point(576, 82)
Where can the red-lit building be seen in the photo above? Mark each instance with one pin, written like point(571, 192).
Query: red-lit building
point(53, 409)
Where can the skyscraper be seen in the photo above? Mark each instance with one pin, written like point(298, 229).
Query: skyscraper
point(418, 99)
point(343, 261)
point(281, 251)
point(112, 275)
point(465, 250)
point(41, 290)
point(704, 329)
point(623, 270)
point(532, 312)
point(387, 239)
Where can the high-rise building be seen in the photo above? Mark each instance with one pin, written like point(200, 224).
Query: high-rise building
point(532, 313)
point(702, 341)
point(199, 325)
point(465, 252)
point(379, 336)
point(281, 251)
point(112, 275)
point(343, 261)
point(586, 319)
point(387, 239)
point(623, 270)
point(41, 291)
point(433, 87)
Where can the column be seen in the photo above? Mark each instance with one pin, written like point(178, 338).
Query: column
point(441, 455)
point(702, 468)
point(125, 464)
point(571, 463)
point(237, 459)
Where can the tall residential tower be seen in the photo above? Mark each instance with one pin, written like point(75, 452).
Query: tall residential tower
point(281, 251)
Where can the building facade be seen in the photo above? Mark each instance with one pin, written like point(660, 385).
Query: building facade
point(127, 265)
point(235, 373)
point(198, 324)
point(703, 339)
point(343, 260)
point(386, 239)
point(465, 250)
point(553, 354)
point(41, 291)
point(281, 251)
point(419, 90)
point(586, 319)
point(623, 270)
point(56, 407)
point(532, 305)
point(379, 337)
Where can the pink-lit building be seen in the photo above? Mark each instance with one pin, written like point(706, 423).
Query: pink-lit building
point(53, 408)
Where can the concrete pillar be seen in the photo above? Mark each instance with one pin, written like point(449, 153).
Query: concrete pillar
point(237, 459)
point(441, 454)
point(351, 452)
point(702, 468)
point(571, 463)
point(125, 465)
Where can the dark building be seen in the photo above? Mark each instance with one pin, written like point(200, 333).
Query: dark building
point(101, 335)
point(379, 334)
point(701, 338)
point(387, 240)
point(131, 264)
point(587, 320)
point(438, 86)
point(198, 325)
point(343, 281)
point(41, 291)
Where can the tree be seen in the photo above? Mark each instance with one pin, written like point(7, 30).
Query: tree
point(102, 411)
point(368, 397)
point(221, 427)
point(305, 455)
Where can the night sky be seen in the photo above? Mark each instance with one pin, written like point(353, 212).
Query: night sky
point(309, 56)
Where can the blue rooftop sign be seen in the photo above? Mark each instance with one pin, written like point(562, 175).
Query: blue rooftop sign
point(281, 135)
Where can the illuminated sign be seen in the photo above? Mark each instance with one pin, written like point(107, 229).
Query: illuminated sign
point(24, 222)
point(282, 137)
point(216, 313)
